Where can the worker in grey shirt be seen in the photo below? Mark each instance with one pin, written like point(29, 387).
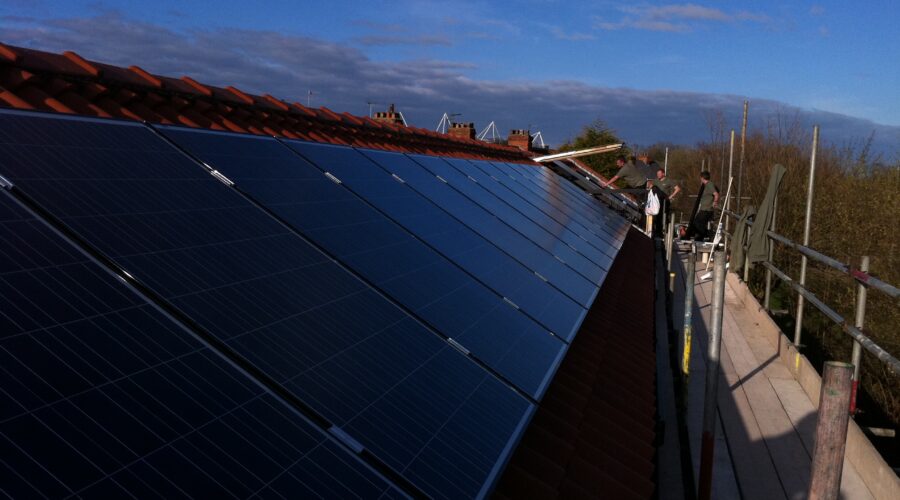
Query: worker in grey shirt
point(646, 165)
point(668, 185)
point(629, 173)
point(666, 189)
point(709, 199)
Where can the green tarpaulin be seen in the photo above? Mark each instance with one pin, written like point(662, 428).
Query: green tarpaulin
point(759, 242)
point(739, 240)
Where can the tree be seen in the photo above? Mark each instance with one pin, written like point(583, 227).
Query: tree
point(594, 135)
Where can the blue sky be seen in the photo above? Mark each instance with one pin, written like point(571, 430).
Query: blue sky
point(836, 57)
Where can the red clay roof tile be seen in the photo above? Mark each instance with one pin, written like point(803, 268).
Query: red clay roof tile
point(82, 63)
point(150, 79)
point(69, 83)
point(9, 54)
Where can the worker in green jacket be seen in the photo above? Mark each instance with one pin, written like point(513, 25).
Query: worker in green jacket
point(629, 173)
point(666, 189)
point(667, 185)
point(708, 199)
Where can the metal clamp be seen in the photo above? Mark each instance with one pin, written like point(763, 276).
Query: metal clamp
point(224, 180)
point(457, 346)
point(347, 439)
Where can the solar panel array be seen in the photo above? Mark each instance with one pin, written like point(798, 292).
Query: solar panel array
point(308, 320)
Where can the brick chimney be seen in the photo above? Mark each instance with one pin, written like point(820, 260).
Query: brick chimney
point(463, 130)
point(389, 116)
point(520, 138)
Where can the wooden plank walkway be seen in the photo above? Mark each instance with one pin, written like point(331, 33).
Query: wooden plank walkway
point(766, 421)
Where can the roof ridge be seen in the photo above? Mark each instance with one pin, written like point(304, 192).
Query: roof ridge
point(69, 83)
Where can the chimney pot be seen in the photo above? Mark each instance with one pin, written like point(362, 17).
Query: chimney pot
point(520, 138)
point(462, 130)
point(390, 116)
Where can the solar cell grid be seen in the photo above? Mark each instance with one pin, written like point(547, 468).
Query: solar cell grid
point(589, 214)
point(594, 243)
point(567, 168)
point(271, 299)
point(555, 202)
point(470, 249)
point(449, 223)
point(544, 177)
point(578, 179)
point(396, 262)
point(537, 225)
point(101, 395)
point(505, 231)
point(543, 180)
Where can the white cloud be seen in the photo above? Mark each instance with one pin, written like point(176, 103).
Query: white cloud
point(418, 40)
point(673, 18)
point(682, 11)
point(384, 34)
point(344, 78)
point(572, 36)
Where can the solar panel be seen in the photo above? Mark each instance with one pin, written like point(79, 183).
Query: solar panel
point(585, 186)
point(276, 305)
point(538, 226)
point(596, 236)
point(565, 189)
point(464, 210)
point(600, 212)
point(552, 203)
point(605, 228)
point(515, 233)
point(574, 177)
point(391, 258)
point(619, 196)
point(101, 395)
point(447, 224)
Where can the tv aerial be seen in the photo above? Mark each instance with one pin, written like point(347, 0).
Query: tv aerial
point(491, 130)
point(446, 122)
